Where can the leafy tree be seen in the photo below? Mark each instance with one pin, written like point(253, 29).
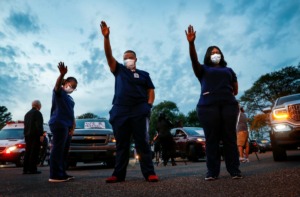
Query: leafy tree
point(4, 116)
point(259, 124)
point(192, 119)
point(87, 115)
point(269, 87)
point(169, 108)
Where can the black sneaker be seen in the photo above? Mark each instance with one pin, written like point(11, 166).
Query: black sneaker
point(210, 178)
point(236, 176)
point(58, 180)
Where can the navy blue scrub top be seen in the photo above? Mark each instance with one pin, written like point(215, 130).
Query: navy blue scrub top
point(131, 87)
point(62, 110)
point(217, 85)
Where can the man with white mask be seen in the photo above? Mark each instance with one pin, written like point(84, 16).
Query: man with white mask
point(129, 116)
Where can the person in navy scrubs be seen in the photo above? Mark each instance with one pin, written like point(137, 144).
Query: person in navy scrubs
point(129, 116)
point(62, 125)
point(217, 108)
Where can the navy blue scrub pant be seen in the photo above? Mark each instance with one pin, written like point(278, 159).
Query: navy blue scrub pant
point(127, 122)
point(59, 152)
point(219, 123)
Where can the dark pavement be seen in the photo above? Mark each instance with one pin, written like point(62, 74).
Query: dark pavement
point(262, 177)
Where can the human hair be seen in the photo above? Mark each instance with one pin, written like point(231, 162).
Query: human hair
point(130, 51)
point(69, 79)
point(36, 104)
point(207, 60)
point(242, 109)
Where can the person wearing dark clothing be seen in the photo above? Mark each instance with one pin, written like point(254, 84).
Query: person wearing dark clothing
point(129, 116)
point(33, 133)
point(217, 108)
point(165, 138)
point(62, 125)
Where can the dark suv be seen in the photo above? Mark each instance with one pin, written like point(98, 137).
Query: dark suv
point(190, 142)
point(92, 141)
point(285, 125)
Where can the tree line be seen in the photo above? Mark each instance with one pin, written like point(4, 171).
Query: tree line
point(262, 94)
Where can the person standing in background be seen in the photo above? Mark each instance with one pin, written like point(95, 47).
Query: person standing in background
point(217, 108)
point(62, 125)
point(165, 138)
point(33, 133)
point(242, 136)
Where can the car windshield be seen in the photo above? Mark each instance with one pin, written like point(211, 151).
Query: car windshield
point(11, 134)
point(286, 99)
point(92, 124)
point(195, 131)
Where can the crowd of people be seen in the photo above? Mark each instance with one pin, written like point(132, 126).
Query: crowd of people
point(217, 109)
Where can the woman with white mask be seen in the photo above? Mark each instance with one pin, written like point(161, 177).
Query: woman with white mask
point(217, 108)
point(62, 124)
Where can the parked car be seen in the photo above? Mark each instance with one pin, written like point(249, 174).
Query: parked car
point(263, 145)
point(285, 125)
point(253, 146)
point(190, 142)
point(93, 141)
point(12, 143)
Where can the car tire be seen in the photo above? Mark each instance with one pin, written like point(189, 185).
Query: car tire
point(110, 163)
point(20, 161)
point(192, 153)
point(71, 164)
point(279, 153)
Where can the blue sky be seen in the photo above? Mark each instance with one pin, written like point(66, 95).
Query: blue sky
point(256, 37)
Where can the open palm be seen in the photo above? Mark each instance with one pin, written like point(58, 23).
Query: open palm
point(190, 34)
point(104, 29)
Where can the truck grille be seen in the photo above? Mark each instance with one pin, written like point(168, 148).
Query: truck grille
point(88, 140)
point(294, 112)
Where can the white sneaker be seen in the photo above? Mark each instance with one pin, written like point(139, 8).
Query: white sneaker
point(242, 159)
point(246, 160)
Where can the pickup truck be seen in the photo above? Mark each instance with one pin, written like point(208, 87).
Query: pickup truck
point(285, 125)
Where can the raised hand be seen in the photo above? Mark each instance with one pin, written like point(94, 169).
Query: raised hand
point(62, 68)
point(104, 29)
point(190, 34)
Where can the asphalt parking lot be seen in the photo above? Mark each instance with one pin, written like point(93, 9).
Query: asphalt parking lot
point(262, 177)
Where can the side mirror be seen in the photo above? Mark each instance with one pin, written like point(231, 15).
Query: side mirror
point(267, 110)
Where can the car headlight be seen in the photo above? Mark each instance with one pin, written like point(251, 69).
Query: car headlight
point(200, 139)
point(280, 114)
point(281, 128)
point(10, 149)
point(112, 139)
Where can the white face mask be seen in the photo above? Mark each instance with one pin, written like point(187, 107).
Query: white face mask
point(130, 64)
point(215, 58)
point(68, 89)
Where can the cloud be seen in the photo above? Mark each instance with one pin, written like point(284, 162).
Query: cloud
point(8, 52)
point(23, 22)
point(92, 69)
point(2, 35)
point(41, 47)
